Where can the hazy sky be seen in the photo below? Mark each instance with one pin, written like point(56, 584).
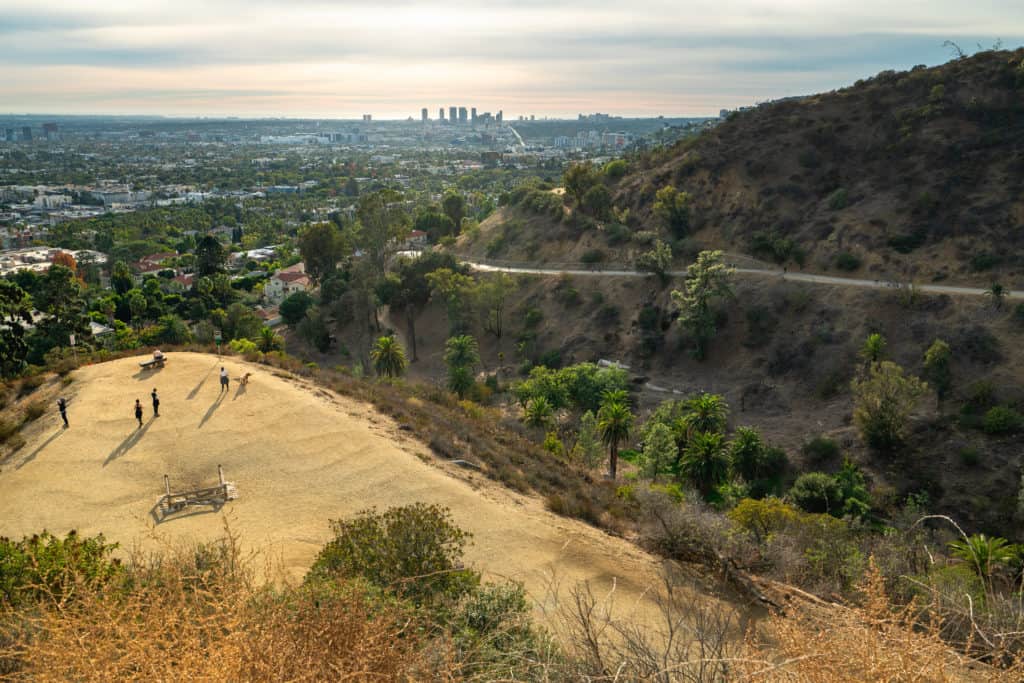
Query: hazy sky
point(391, 57)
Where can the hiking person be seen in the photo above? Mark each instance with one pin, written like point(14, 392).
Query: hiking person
point(62, 406)
point(156, 403)
point(138, 412)
point(223, 379)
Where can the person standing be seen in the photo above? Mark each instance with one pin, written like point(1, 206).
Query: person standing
point(138, 412)
point(156, 403)
point(223, 379)
point(62, 406)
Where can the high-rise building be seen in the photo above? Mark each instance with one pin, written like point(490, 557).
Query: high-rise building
point(423, 114)
point(499, 116)
point(472, 115)
point(9, 135)
point(440, 114)
point(453, 114)
point(26, 133)
point(49, 130)
point(463, 115)
point(367, 117)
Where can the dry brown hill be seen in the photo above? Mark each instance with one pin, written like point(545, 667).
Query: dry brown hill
point(918, 173)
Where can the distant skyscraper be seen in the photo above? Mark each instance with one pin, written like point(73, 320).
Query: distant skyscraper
point(472, 114)
point(499, 117)
point(49, 130)
point(453, 114)
point(440, 114)
point(367, 117)
point(423, 114)
point(9, 134)
point(463, 115)
point(26, 133)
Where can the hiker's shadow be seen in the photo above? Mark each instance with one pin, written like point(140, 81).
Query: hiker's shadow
point(32, 456)
point(128, 443)
point(213, 408)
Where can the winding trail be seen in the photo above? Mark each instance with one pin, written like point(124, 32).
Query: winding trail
point(580, 269)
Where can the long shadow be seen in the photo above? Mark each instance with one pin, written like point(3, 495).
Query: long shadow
point(159, 516)
point(32, 456)
point(146, 373)
point(240, 391)
point(128, 443)
point(213, 408)
point(192, 394)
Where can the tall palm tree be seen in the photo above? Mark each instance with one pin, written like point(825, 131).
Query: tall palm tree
point(388, 357)
point(615, 422)
point(997, 292)
point(706, 413)
point(705, 461)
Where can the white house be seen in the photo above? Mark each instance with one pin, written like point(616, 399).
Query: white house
point(286, 282)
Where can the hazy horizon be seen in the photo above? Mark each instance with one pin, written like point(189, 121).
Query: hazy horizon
point(310, 59)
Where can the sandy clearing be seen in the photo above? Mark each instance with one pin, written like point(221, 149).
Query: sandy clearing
point(299, 456)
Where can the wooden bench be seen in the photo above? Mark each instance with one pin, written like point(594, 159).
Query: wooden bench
point(152, 363)
point(215, 496)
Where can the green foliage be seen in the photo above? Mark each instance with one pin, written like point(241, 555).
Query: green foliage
point(538, 412)
point(659, 451)
point(838, 199)
point(672, 207)
point(817, 492)
point(847, 261)
point(270, 341)
point(883, 401)
point(768, 244)
point(996, 293)
point(820, 449)
point(413, 551)
point(243, 346)
point(588, 449)
point(706, 279)
point(592, 256)
point(579, 178)
point(321, 246)
point(44, 566)
point(937, 367)
point(454, 206)
point(598, 202)
point(553, 445)
point(657, 261)
point(614, 170)
point(983, 553)
point(313, 330)
point(210, 256)
point(760, 465)
point(705, 413)
point(388, 357)
point(873, 349)
point(1002, 420)
point(580, 386)
point(15, 314)
point(461, 356)
point(615, 423)
point(705, 461)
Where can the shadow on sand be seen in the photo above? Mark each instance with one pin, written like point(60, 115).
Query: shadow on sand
point(32, 456)
point(145, 373)
point(192, 394)
point(128, 443)
point(213, 408)
point(159, 516)
point(240, 391)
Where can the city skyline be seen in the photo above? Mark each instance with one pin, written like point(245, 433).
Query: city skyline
point(309, 59)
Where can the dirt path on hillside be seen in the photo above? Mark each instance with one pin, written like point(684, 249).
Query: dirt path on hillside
point(299, 456)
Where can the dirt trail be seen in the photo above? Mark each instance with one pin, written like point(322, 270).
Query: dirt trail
point(299, 456)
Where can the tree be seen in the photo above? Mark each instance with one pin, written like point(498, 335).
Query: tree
point(434, 223)
point(588, 449)
point(883, 401)
point(659, 452)
point(454, 206)
point(538, 412)
point(456, 291)
point(982, 552)
point(817, 492)
point(388, 357)
point(137, 306)
point(937, 361)
point(314, 330)
point(615, 422)
point(270, 340)
point(873, 349)
point(491, 294)
point(321, 246)
point(704, 413)
point(705, 462)
point(707, 278)
point(461, 356)
point(293, 308)
point(210, 256)
point(382, 226)
point(15, 313)
point(240, 322)
point(121, 277)
point(658, 260)
point(673, 208)
point(578, 179)
point(598, 201)
point(59, 294)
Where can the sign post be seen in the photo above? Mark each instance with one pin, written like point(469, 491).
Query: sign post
point(217, 339)
point(73, 349)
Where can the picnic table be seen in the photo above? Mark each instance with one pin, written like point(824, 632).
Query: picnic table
point(153, 363)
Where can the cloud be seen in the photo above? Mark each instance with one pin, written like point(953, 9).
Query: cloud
point(308, 57)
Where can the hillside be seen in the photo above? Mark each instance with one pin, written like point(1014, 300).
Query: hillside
point(917, 174)
point(299, 455)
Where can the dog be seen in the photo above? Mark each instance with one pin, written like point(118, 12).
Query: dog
point(245, 379)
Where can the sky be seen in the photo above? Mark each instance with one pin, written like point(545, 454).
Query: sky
point(389, 58)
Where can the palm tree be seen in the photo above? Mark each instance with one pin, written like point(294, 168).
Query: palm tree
point(983, 552)
point(873, 349)
point(707, 413)
point(538, 412)
point(269, 340)
point(997, 291)
point(614, 421)
point(705, 461)
point(461, 352)
point(388, 357)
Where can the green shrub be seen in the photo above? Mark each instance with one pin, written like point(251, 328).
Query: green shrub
point(820, 449)
point(34, 411)
point(7, 430)
point(1018, 313)
point(969, 457)
point(46, 566)
point(30, 384)
point(847, 261)
point(532, 318)
point(1001, 420)
point(816, 492)
point(617, 234)
point(614, 170)
point(838, 199)
point(984, 261)
point(592, 256)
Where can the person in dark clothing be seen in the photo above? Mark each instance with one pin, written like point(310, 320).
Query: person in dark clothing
point(156, 403)
point(62, 406)
point(138, 412)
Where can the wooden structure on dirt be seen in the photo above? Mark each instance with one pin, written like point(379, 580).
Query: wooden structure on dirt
point(215, 495)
